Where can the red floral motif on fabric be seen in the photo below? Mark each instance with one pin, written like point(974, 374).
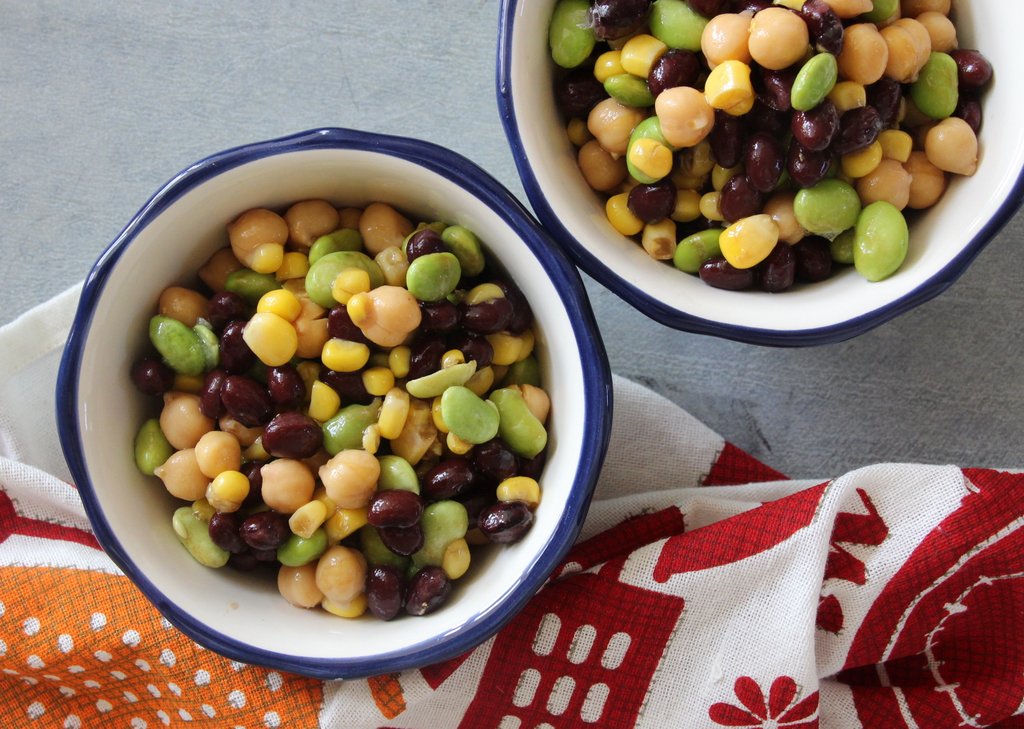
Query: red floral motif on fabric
point(783, 707)
point(734, 467)
point(11, 522)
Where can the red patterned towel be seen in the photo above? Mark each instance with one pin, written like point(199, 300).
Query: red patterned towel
point(707, 590)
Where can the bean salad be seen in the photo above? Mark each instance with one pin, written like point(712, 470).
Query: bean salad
point(760, 144)
point(350, 399)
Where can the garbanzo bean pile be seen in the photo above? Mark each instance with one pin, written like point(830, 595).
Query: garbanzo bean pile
point(756, 144)
point(347, 398)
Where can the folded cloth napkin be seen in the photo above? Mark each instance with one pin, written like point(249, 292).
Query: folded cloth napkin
point(706, 590)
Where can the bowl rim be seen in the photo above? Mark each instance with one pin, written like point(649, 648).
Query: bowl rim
point(569, 287)
point(677, 319)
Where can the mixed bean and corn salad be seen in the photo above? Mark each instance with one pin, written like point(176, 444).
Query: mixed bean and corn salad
point(349, 398)
point(757, 143)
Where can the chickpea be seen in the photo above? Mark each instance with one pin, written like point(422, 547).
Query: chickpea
point(218, 451)
point(386, 315)
point(287, 484)
point(214, 273)
point(913, 8)
point(341, 573)
point(382, 226)
point(246, 436)
point(780, 207)
point(778, 38)
point(849, 8)
point(181, 420)
point(865, 54)
point(537, 401)
point(350, 477)
point(393, 264)
point(927, 182)
point(601, 170)
point(257, 235)
point(611, 123)
point(181, 475)
point(186, 305)
point(726, 38)
point(418, 433)
point(952, 146)
point(297, 585)
point(940, 29)
point(909, 47)
point(889, 181)
point(686, 116)
point(308, 220)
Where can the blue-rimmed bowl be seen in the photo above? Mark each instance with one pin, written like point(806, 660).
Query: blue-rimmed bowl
point(234, 613)
point(944, 240)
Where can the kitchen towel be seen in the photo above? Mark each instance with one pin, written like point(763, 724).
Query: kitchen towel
point(706, 590)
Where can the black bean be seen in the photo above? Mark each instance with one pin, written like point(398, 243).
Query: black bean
point(776, 88)
point(422, 242)
point(709, 8)
point(816, 128)
point(858, 128)
point(677, 67)
point(474, 348)
point(765, 161)
point(209, 396)
point(739, 198)
point(427, 591)
point(494, 460)
point(805, 166)
point(292, 434)
point(223, 528)
point(824, 26)
point(522, 314)
point(226, 306)
point(384, 591)
point(778, 271)
point(285, 386)
point(613, 19)
point(235, 355)
point(394, 508)
point(487, 317)
point(449, 478)
point(813, 259)
point(246, 400)
point(750, 6)
point(253, 472)
point(152, 376)
point(968, 108)
point(533, 467)
point(505, 522)
point(348, 385)
point(243, 561)
point(726, 139)
point(973, 69)
point(264, 530)
point(720, 274)
point(402, 540)
point(886, 95)
point(652, 202)
point(425, 354)
point(341, 326)
point(763, 118)
point(577, 92)
point(438, 316)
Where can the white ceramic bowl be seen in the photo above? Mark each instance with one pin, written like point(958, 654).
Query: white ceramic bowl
point(233, 613)
point(943, 241)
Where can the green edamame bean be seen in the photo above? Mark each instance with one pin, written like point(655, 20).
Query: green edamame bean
point(194, 535)
point(880, 241)
point(437, 382)
point(935, 92)
point(517, 426)
point(470, 417)
point(396, 473)
point(178, 344)
point(676, 24)
point(297, 551)
point(464, 245)
point(443, 522)
point(151, 447)
point(433, 276)
point(343, 239)
point(813, 81)
point(210, 344)
point(694, 249)
point(842, 247)
point(251, 285)
point(629, 90)
point(524, 372)
point(377, 553)
point(881, 11)
point(345, 429)
point(321, 275)
point(570, 36)
point(828, 208)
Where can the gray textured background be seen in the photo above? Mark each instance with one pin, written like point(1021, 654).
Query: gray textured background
point(103, 102)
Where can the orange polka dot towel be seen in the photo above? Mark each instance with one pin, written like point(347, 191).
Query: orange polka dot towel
point(706, 590)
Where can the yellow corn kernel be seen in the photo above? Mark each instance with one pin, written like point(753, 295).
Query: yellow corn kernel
point(371, 439)
point(687, 206)
point(323, 402)
point(483, 292)
point(608, 64)
point(293, 267)
point(267, 258)
point(506, 347)
point(710, 206)
point(393, 413)
point(578, 132)
point(307, 518)
point(378, 380)
point(452, 357)
point(687, 182)
point(281, 302)
point(529, 340)
point(848, 95)
point(457, 445)
point(435, 414)
point(862, 162)
point(455, 559)
point(896, 144)
point(188, 383)
point(721, 175)
point(228, 490)
point(641, 52)
point(202, 509)
point(348, 283)
point(728, 88)
point(256, 451)
point(697, 161)
point(320, 494)
point(343, 355)
point(621, 217)
point(351, 609)
point(520, 488)
point(343, 523)
point(309, 371)
point(481, 381)
point(651, 158)
point(659, 239)
point(272, 338)
point(398, 360)
point(748, 241)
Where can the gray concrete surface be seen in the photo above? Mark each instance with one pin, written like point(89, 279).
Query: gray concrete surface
point(104, 102)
